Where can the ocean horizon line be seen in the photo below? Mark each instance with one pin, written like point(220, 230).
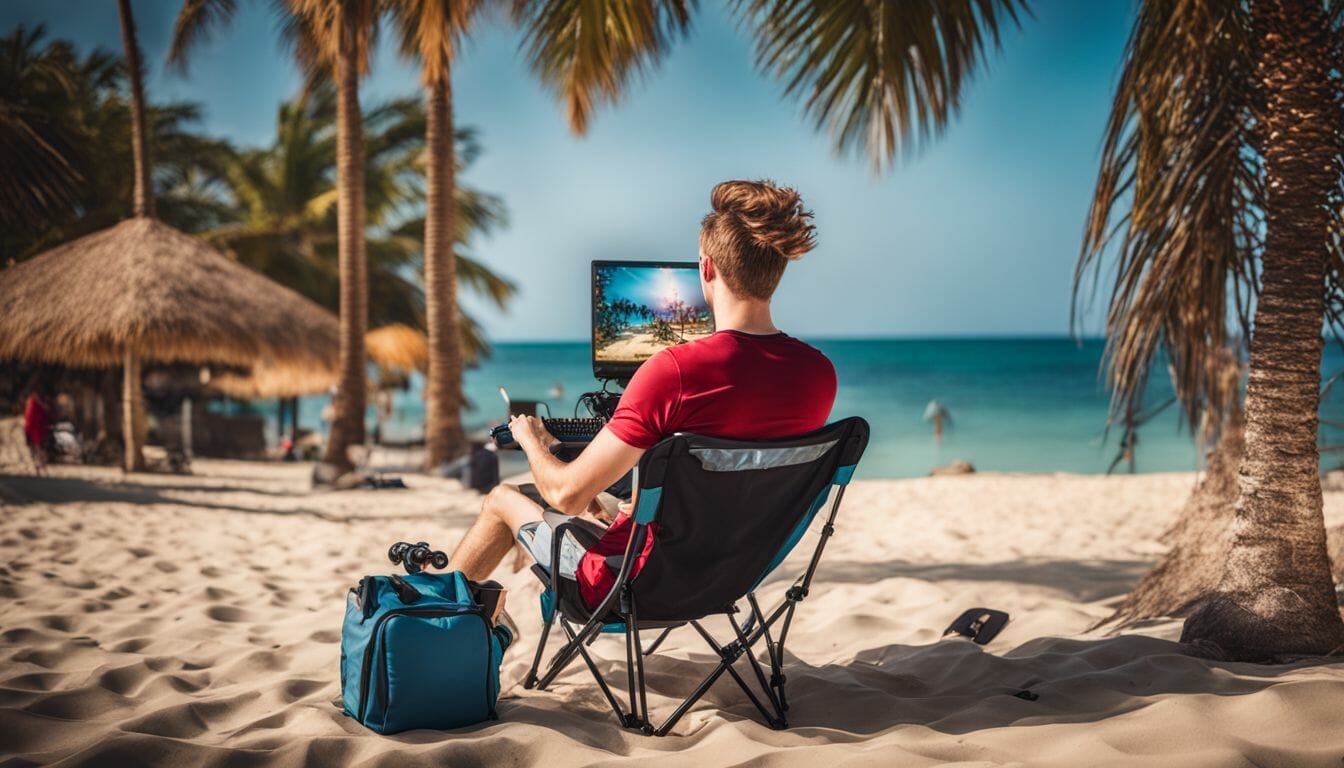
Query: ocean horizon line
point(848, 338)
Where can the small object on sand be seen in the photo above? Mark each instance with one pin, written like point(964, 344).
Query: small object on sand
point(979, 624)
point(958, 467)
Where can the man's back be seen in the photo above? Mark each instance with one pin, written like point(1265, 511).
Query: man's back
point(732, 385)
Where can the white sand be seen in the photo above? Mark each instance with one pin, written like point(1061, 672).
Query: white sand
point(194, 621)
point(643, 345)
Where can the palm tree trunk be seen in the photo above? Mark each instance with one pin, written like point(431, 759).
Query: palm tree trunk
point(444, 438)
point(133, 417)
point(347, 426)
point(1277, 597)
point(133, 404)
point(144, 198)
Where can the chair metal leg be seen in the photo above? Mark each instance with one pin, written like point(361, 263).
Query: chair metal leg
point(531, 681)
point(592, 667)
point(658, 641)
point(686, 705)
point(565, 655)
point(775, 652)
point(636, 662)
point(779, 721)
point(729, 654)
point(633, 720)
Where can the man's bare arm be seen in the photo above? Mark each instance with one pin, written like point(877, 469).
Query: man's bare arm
point(569, 487)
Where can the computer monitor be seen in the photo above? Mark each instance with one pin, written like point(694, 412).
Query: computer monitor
point(641, 307)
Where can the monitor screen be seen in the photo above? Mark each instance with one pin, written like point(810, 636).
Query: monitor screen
point(641, 307)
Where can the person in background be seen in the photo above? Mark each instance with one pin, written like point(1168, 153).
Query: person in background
point(37, 422)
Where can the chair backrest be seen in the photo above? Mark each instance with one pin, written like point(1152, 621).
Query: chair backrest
point(726, 512)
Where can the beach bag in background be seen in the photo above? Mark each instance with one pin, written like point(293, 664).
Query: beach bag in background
point(420, 651)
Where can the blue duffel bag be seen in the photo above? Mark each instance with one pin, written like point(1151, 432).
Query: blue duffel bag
point(419, 651)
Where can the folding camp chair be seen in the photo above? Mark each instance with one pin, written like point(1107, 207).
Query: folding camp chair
point(722, 514)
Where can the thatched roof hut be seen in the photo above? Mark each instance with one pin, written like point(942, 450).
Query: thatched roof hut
point(142, 290)
point(145, 287)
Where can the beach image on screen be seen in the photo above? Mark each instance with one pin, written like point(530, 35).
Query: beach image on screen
point(641, 310)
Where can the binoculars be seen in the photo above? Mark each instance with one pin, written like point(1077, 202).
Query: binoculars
point(414, 556)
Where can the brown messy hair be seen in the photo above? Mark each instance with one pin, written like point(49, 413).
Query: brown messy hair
point(754, 231)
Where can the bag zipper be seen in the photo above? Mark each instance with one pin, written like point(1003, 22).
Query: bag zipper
point(426, 612)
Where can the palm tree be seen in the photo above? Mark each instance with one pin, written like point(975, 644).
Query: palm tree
point(133, 412)
point(283, 223)
point(39, 101)
point(334, 39)
point(1221, 166)
point(76, 107)
point(430, 31)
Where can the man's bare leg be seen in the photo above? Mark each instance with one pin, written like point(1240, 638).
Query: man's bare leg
point(491, 537)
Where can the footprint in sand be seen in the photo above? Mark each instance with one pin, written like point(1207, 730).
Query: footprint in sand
point(219, 593)
point(227, 613)
point(35, 681)
point(299, 688)
point(125, 680)
point(134, 645)
point(30, 534)
point(57, 622)
point(117, 593)
point(325, 636)
point(167, 567)
point(19, 635)
point(139, 552)
point(211, 572)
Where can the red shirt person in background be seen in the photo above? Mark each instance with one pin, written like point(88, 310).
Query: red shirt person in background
point(37, 420)
point(748, 380)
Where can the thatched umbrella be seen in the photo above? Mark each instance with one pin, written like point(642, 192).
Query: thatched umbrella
point(265, 381)
point(142, 290)
point(394, 347)
point(399, 347)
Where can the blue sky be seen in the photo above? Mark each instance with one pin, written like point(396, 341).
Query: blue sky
point(655, 287)
point(977, 234)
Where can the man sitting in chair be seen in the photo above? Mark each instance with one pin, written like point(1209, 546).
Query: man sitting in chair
point(746, 381)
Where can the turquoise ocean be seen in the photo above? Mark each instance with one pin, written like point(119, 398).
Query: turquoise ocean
point(1016, 405)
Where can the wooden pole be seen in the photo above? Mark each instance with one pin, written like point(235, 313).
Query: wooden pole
point(132, 412)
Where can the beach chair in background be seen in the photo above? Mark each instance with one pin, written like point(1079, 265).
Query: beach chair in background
point(723, 514)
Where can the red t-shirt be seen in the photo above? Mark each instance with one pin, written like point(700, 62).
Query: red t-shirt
point(730, 384)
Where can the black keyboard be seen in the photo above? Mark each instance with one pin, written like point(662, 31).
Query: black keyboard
point(565, 430)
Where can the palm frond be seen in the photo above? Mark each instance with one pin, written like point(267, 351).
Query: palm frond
point(40, 141)
point(196, 21)
point(878, 76)
point(431, 31)
point(1178, 208)
point(587, 51)
point(320, 32)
